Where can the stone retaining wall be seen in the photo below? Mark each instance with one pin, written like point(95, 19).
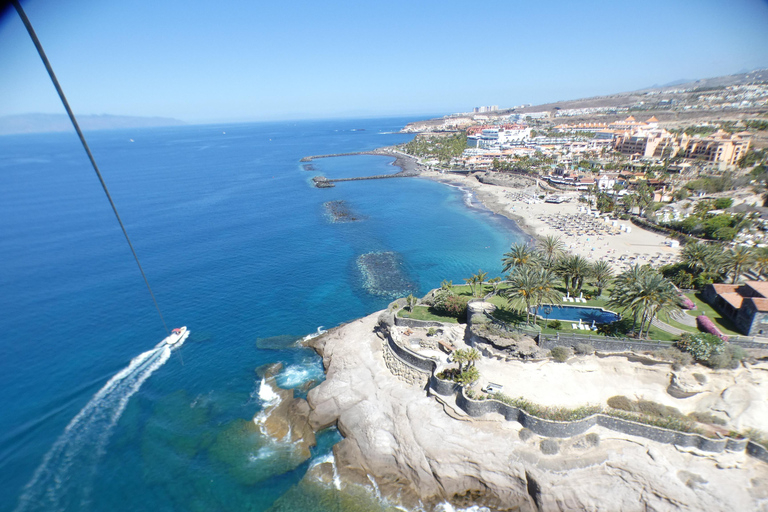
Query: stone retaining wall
point(412, 322)
point(403, 370)
point(405, 364)
point(600, 343)
point(416, 369)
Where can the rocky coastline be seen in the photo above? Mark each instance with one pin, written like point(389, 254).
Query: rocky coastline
point(420, 452)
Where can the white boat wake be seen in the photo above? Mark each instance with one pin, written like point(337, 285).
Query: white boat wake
point(320, 331)
point(64, 479)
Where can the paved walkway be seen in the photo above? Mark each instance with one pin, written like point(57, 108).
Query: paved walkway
point(666, 327)
point(683, 317)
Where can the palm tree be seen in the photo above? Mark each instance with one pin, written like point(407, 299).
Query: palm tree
point(410, 302)
point(655, 295)
point(645, 292)
point(472, 356)
point(602, 273)
point(480, 278)
point(459, 356)
point(701, 257)
point(471, 282)
point(551, 247)
point(522, 290)
point(529, 287)
point(737, 260)
point(520, 255)
point(574, 269)
point(761, 260)
point(546, 290)
point(623, 292)
point(446, 285)
point(495, 283)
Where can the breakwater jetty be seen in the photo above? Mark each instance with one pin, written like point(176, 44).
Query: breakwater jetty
point(408, 164)
point(323, 182)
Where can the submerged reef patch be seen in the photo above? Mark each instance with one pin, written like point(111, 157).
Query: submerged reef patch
point(339, 211)
point(384, 274)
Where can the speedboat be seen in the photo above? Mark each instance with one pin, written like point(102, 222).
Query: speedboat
point(176, 335)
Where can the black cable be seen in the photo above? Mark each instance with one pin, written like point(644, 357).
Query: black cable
point(55, 81)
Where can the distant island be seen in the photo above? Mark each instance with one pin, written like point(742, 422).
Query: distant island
point(42, 123)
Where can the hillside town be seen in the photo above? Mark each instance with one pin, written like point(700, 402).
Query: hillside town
point(701, 178)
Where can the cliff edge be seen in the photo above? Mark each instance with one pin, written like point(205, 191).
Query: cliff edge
point(405, 443)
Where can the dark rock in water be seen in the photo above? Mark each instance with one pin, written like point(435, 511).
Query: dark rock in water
point(322, 182)
point(304, 388)
point(308, 167)
point(269, 370)
point(339, 211)
point(281, 342)
point(384, 274)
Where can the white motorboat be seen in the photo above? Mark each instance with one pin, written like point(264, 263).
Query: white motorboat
point(177, 335)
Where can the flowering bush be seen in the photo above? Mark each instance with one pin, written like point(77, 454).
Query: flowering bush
point(702, 345)
point(449, 304)
point(707, 325)
point(686, 303)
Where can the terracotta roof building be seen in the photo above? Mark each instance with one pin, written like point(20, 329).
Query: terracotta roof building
point(746, 305)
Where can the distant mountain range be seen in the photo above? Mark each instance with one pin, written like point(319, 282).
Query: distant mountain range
point(41, 123)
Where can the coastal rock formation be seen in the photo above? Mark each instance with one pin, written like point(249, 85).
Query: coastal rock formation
point(403, 441)
point(285, 418)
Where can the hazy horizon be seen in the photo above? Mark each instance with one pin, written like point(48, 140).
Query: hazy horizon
point(242, 62)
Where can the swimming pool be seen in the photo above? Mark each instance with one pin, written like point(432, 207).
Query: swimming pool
point(576, 313)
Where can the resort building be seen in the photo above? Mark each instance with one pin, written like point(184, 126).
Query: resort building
point(646, 144)
point(746, 305)
point(720, 149)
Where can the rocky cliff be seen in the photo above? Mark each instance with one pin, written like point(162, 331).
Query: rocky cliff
point(420, 452)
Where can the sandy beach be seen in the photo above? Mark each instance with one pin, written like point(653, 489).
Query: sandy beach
point(583, 234)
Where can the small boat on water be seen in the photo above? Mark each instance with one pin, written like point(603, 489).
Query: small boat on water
point(177, 335)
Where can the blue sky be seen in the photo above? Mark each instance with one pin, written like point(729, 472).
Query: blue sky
point(255, 60)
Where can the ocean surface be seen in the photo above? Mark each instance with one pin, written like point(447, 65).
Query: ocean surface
point(239, 247)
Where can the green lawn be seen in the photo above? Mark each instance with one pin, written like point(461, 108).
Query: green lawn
point(424, 313)
point(702, 308)
point(511, 317)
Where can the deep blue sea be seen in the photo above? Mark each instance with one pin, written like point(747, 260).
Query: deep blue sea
point(238, 246)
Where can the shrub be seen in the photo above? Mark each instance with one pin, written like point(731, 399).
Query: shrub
point(707, 417)
point(686, 303)
point(593, 439)
point(655, 409)
point(450, 304)
point(701, 346)
point(560, 354)
point(468, 376)
point(675, 355)
point(525, 434)
point(622, 403)
point(549, 446)
point(708, 326)
point(679, 423)
point(584, 349)
point(555, 324)
point(730, 357)
point(723, 203)
point(684, 279)
point(431, 331)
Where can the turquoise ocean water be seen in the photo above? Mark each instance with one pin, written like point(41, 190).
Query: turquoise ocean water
point(237, 246)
